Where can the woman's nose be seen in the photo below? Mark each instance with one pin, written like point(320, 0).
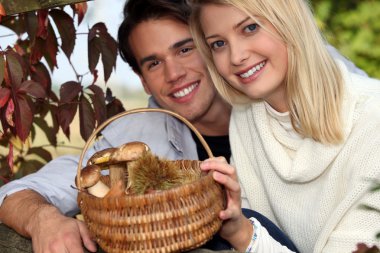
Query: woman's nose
point(238, 53)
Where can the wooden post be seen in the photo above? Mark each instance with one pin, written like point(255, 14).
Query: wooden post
point(19, 6)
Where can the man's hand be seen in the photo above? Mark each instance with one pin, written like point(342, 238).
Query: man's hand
point(30, 215)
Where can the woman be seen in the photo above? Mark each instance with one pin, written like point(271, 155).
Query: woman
point(304, 136)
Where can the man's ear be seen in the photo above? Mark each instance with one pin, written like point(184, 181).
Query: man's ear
point(146, 87)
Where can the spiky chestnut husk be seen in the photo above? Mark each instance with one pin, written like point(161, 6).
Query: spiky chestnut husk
point(150, 173)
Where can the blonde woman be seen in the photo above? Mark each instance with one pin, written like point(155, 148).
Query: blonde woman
point(304, 133)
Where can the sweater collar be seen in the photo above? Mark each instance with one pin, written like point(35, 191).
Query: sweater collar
point(311, 157)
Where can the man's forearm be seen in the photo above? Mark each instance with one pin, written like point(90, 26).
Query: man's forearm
point(19, 210)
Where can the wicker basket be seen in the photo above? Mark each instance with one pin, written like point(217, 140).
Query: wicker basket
point(174, 220)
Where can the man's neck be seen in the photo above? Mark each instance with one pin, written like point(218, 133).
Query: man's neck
point(216, 121)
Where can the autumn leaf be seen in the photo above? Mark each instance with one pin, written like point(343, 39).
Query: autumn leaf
point(66, 29)
point(9, 113)
point(32, 88)
point(2, 68)
point(4, 96)
point(14, 71)
point(69, 94)
point(86, 118)
point(80, 9)
point(101, 42)
point(40, 74)
point(43, 22)
point(99, 104)
point(23, 116)
point(41, 152)
point(2, 11)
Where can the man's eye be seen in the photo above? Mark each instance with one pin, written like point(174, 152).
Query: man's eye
point(186, 50)
point(251, 28)
point(153, 64)
point(217, 44)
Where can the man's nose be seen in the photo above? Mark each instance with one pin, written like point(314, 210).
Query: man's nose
point(174, 70)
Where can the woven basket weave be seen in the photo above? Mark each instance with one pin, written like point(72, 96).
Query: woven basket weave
point(174, 220)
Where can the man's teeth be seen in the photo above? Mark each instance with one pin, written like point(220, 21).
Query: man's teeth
point(186, 91)
point(252, 70)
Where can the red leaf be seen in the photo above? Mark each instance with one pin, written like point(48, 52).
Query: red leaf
point(23, 117)
point(80, 9)
point(40, 74)
point(37, 50)
point(94, 48)
point(86, 117)
point(15, 23)
point(99, 103)
point(2, 11)
point(69, 91)
point(43, 22)
point(114, 107)
point(31, 24)
point(4, 96)
point(9, 113)
point(32, 88)
point(15, 72)
point(66, 29)
point(2, 68)
point(100, 40)
point(109, 55)
point(51, 51)
point(66, 114)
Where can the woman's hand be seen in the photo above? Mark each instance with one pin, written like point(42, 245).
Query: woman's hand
point(236, 228)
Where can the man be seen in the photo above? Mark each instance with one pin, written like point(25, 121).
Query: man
point(155, 40)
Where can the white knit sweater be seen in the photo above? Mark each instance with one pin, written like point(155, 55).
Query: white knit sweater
point(313, 191)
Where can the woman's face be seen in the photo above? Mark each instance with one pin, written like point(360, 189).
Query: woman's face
point(249, 57)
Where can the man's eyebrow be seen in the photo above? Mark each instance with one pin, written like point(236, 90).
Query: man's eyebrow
point(174, 46)
point(181, 43)
point(148, 58)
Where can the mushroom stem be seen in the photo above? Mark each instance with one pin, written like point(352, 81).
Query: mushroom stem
point(98, 190)
point(117, 173)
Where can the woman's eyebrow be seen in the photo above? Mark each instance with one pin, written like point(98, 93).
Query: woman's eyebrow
point(234, 27)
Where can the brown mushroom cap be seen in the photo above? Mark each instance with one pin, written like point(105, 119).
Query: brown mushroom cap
point(129, 152)
point(90, 175)
point(101, 157)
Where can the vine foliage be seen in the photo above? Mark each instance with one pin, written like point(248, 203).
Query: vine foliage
point(27, 101)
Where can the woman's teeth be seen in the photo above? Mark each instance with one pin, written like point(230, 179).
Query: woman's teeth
point(186, 91)
point(252, 70)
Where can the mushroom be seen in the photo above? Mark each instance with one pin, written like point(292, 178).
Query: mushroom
point(90, 180)
point(116, 191)
point(114, 158)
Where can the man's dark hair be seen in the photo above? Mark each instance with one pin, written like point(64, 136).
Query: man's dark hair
point(137, 11)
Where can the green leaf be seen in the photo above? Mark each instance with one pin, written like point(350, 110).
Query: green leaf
point(47, 130)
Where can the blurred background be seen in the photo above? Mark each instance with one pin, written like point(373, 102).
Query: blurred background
point(352, 26)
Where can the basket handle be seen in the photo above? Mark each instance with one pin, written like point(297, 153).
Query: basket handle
point(138, 110)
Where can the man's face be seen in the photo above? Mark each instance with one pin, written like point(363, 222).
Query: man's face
point(171, 68)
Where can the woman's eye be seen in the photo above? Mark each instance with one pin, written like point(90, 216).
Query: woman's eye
point(250, 28)
point(217, 44)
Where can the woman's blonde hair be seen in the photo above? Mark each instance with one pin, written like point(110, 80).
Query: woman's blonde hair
point(314, 83)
